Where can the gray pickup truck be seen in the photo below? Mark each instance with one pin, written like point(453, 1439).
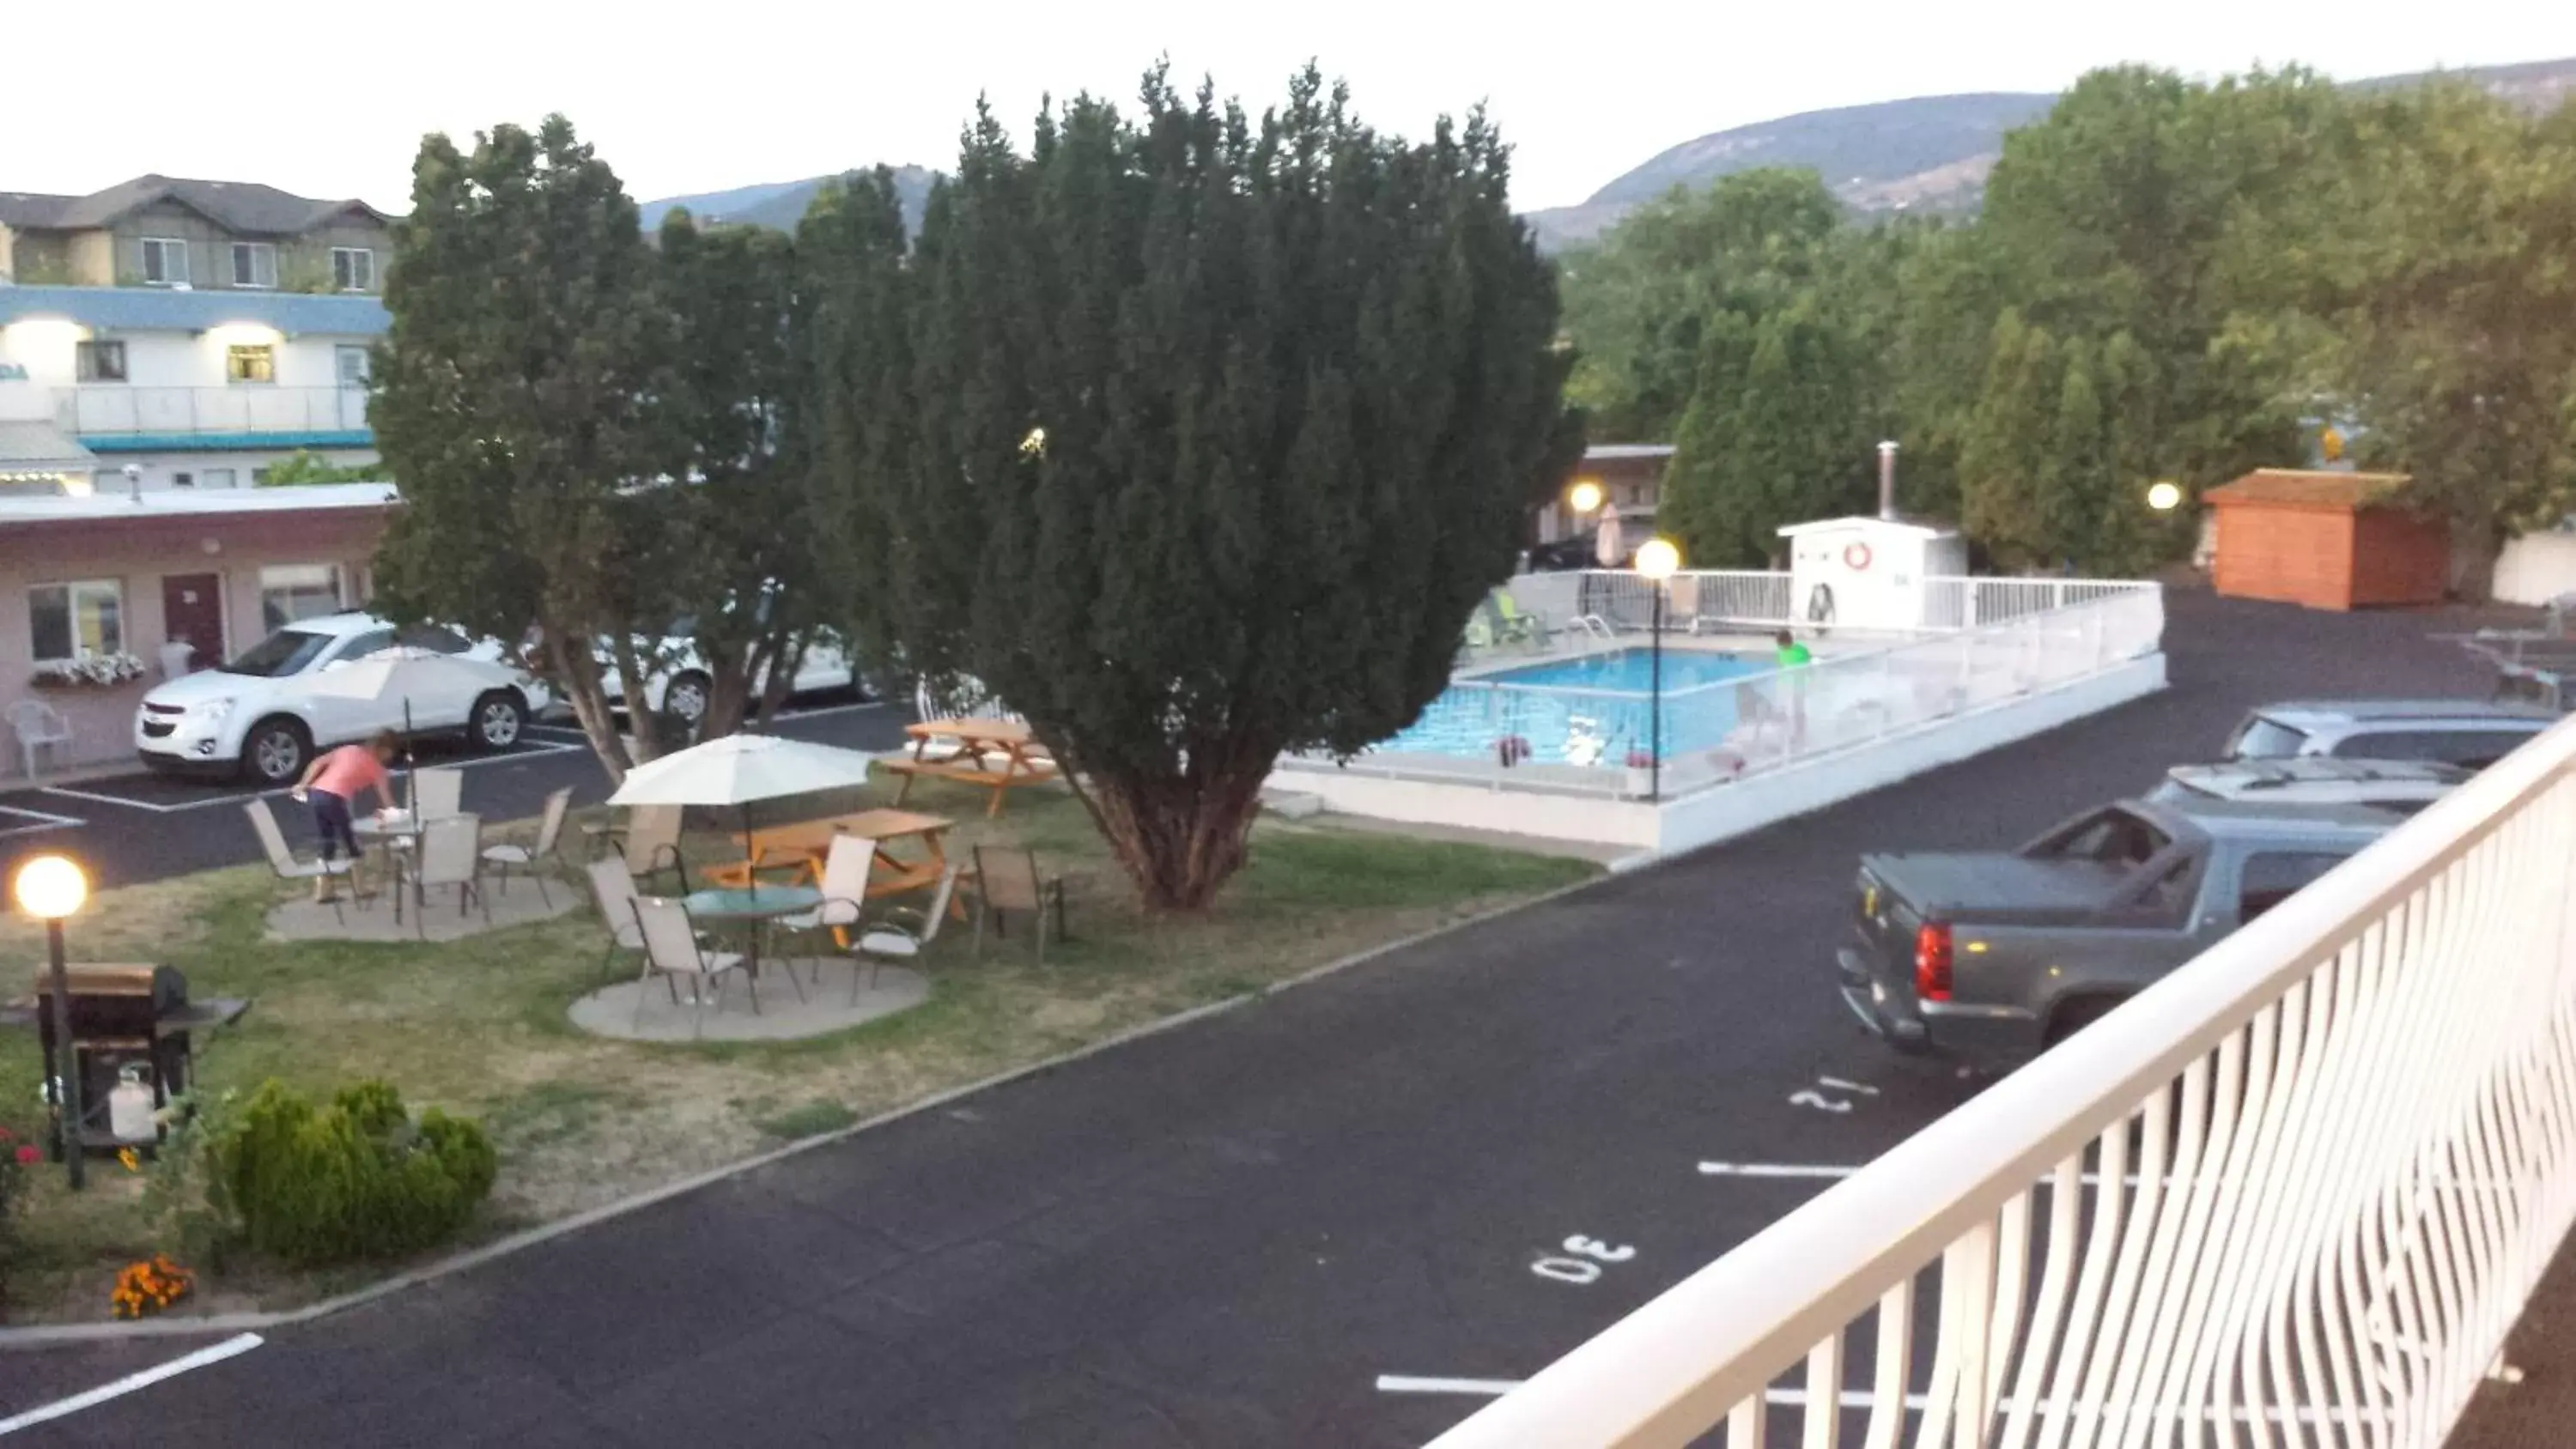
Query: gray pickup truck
point(1991, 957)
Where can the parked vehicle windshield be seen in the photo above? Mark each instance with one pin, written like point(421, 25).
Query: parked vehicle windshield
point(2264, 739)
point(280, 654)
point(2108, 837)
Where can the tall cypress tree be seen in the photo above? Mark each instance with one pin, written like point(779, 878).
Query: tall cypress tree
point(1224, 426)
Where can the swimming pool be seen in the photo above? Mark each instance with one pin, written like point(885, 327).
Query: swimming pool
point(1591, 710)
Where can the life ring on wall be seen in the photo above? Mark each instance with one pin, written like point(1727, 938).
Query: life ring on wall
point(1856, 557)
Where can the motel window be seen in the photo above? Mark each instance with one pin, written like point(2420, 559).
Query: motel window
point(217, 478)
point(353, 269)
point(183, 480)
point(76, 620)
point(255, 363)
point(288, 592)
point(353, 365)
point(165, 262)
point(254, 264)
point(99, 361)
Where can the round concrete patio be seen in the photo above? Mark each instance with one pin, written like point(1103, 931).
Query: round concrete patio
point(836, 1003)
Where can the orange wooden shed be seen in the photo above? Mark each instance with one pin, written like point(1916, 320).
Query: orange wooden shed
point(2327, 540)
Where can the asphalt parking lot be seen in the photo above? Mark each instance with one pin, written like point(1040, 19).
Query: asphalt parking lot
point(144, 826)
point(1344, 1215)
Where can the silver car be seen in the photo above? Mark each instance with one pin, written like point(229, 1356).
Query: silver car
point(2398, 786)
point(2466, 732)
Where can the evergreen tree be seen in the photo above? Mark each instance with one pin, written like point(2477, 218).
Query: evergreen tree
point(741, 551)
point(1223, 427)
point(513, 405)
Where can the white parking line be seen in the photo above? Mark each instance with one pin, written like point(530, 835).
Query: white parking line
point(44, 821)
point(1775, 1169)
point(212, 1353)
point(532, 749)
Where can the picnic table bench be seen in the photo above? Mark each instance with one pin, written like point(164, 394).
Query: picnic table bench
point(996, 754)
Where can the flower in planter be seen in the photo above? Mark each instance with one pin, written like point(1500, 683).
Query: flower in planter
point(29, 1153)
point(1640, 760)
point(93, 671)
point(150, 1286)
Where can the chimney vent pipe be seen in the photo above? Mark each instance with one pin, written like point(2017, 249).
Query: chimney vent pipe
point(1887, 481)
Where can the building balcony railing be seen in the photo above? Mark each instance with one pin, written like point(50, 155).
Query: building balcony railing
point(2296, 1193)
point(115, 410)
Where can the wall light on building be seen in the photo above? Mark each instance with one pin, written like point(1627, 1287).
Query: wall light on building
point(243, 334)
point(42, 340)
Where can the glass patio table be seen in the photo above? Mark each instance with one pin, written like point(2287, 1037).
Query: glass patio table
point(752, 908)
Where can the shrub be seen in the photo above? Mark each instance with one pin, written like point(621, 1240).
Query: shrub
point(356, 1177)
point(16, 1158)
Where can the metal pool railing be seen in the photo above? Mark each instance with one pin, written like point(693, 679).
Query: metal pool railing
point(1583, 738)
point(2295, 1194)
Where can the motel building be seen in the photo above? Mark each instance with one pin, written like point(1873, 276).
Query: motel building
point(135, 426)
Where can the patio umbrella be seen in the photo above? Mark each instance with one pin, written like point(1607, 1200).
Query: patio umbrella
point(407, 674)
point(1606, 545)
point(742, 771)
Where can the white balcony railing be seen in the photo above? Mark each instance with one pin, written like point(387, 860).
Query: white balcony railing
point(118, 410)
point(2294, 1195)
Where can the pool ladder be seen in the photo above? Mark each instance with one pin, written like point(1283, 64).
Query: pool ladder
point(1596, 627)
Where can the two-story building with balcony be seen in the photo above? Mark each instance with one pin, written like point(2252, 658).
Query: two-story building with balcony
point(190, 389)
point(164, 231)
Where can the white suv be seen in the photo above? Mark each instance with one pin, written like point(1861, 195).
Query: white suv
point(260, 715)
point(680, 684)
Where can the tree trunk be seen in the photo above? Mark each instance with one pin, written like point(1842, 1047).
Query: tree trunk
point(644, 724)
point(728, 689)
point(576, 670)
point(789, 654)
point(1180, 837)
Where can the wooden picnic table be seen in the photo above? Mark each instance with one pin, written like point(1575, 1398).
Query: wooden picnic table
point(802, 848)
point(998, 754)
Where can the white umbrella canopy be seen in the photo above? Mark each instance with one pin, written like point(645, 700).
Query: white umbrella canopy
point(742, 770)
point(1607, 545)
point(404, 673)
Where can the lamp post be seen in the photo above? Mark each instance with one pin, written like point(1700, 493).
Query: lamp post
point(49, 888)
point(2164, 497)
point(1656, 562)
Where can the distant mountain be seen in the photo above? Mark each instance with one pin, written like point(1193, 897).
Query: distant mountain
point(1931, 153)
point(779, 204)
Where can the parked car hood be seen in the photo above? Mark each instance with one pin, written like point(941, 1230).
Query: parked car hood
point(204, 685)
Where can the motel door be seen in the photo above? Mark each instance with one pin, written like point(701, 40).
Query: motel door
point(192, 612)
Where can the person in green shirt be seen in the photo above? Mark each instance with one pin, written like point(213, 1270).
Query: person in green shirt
point(1790, 652)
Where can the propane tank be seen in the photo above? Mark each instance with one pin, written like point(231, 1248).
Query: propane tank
point(129, 1107)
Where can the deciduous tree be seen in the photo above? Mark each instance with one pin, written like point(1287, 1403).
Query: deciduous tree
point(513, 405)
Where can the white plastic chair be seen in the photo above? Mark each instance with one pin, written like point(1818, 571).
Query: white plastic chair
point(451, 855)
point(549, 826)
point(281, 859)
point(671, 950)
point(37, 725)
point(888, 938)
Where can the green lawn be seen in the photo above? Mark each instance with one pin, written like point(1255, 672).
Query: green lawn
point(479, 1026)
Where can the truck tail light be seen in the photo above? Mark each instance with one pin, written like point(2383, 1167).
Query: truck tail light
point(1932, 961)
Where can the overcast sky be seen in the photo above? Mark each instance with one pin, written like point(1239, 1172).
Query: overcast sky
point(333, 101)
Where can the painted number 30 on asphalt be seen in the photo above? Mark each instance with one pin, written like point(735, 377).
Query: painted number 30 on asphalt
point(1583, 1260)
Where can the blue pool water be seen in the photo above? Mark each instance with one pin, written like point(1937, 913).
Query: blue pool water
point(1561, 709)
point(1632, 670)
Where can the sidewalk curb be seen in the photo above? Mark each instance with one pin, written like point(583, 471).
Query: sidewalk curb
point(57, 1335)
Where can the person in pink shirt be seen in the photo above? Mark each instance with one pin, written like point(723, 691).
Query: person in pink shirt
point(331, 784)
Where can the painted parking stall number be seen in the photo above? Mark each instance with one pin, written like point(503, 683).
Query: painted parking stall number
point(1581, 1261)
point(1831, 1094)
